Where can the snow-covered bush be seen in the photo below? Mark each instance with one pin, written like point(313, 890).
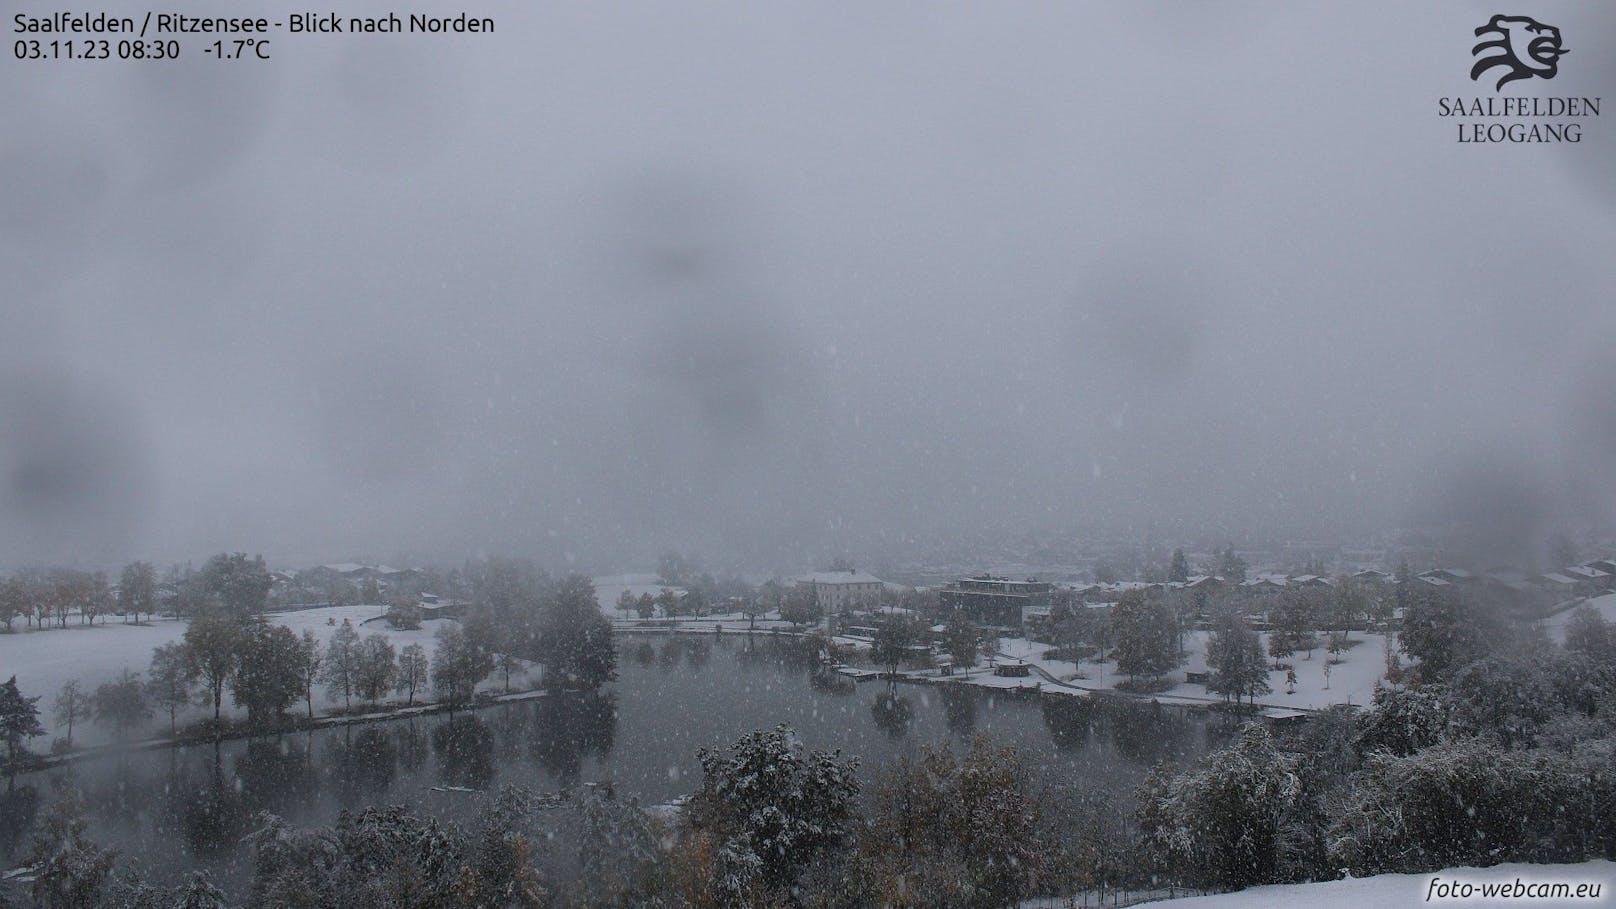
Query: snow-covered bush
point(1219, 823)
point(1459, 803)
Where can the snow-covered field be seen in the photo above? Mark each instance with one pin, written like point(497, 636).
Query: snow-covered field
point(1413, 889)
point(1555, 624)
point(1352, 681)
point(44, 660)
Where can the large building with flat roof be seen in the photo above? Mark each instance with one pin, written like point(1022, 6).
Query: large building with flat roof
point(994, 602)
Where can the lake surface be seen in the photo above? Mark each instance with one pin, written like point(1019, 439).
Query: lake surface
point(170, 810)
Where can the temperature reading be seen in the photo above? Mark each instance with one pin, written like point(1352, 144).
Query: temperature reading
point(239, 49)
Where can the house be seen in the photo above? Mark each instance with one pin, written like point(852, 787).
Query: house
point(836, 592)
point(1450, 575)
point(995, 602)
point(1603, 580)
point(1562, 586)
point(1312, 580)
point(1372, 576)
point(1608, 566)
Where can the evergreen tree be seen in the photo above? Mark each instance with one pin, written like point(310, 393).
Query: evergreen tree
point(575, 639)
point(1234, 656)
point(1231, 567)
point(1179, 570)
point(1144, 633)
point(19, 721)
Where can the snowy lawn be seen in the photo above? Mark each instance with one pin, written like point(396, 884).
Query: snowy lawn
point(44, 660)
point(1352, 681)
point(1555, 624)
point(1413, 889)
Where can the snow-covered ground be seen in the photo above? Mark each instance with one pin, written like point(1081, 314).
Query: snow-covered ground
point(1418, 889)
point(609, 588)
point(1352, 681)
point(1555, 624)
point(44, 660)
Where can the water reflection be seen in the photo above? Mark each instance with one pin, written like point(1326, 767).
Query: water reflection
point(464, 746)
point(207, 808)
point(277, 774)
point(959, 707)
point(643, 653)
point(893, 713)
point(568, 727)
point(362, 764)
point(19, 807)
point(411, 746)
point(184, 808)
point(1143, 732)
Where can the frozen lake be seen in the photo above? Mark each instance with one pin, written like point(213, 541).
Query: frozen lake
point(170, 810)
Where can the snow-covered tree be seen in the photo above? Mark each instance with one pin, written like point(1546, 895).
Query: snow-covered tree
point(1234, 656)
point(1145, 643)
point(70, 871)
point(1405, 720)
point(137, 590)
point(269, 671)
point(894, 635)
point(375, 667)
point(169, 680)
point(1219, 823)
point(310, 663)
point(211, 642)
point(458, 665)
point(341, 669)
point(619, 847)
point(575, 639)
point(770, 809)
point(70, 705)
point(1461, 803)
point(413, 671)
point(949, 831)
point(19, 721)
point(122, 704)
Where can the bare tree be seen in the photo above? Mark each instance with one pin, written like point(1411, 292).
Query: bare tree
point(70, 705)
point(413, 670)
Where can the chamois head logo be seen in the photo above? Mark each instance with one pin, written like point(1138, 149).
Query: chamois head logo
point(1526, 46)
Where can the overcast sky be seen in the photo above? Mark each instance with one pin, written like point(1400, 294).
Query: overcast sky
point(769, 280)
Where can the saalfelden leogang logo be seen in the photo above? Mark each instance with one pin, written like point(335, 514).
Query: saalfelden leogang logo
point(1517, 49)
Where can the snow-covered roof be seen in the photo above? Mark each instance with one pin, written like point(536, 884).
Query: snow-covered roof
point(838, 577)
point(1557, 578)
point(1435, 581)
point(1583, 571)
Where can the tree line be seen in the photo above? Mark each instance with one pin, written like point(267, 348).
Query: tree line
point(266, 669)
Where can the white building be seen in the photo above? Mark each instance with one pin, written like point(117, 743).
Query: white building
point(837, 591)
